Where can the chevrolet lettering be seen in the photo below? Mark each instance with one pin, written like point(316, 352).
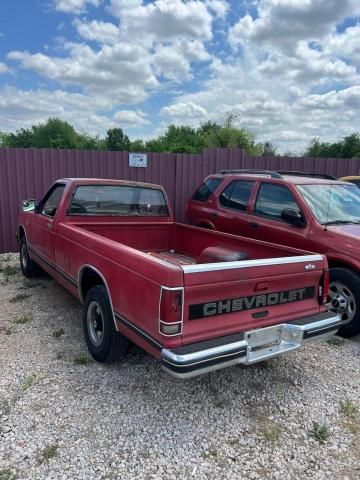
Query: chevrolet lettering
point(232, 305)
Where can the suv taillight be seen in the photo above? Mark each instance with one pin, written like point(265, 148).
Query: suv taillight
point(324, 287)
point(171, 311)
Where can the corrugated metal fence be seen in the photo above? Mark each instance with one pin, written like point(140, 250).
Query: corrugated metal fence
point(28, 173)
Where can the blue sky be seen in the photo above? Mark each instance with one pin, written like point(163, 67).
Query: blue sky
point(288, 68)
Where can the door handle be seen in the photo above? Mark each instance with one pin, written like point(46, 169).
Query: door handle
point(253, 224)
point(49, 225)
point(214, 214)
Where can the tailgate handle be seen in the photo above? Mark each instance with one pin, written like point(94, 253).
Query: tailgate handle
point(261, 286)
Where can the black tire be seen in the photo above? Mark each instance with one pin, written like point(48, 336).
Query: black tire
point(350, 281)
point(104, 342)
point(28, 267)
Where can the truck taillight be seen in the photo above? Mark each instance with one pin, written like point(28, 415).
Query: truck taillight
point(324, 287)
point(171, 311)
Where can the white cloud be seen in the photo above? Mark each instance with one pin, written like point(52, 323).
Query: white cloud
point(188, 110)
point(163, 19)
point(284, 22)
point(3, 68)
point(23, 108)
point(219, 7)
point(345, 44)
point(101, 32)
point(131, 118)
point(74, 6)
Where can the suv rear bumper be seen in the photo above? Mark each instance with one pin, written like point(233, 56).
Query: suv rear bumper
point(248, 347)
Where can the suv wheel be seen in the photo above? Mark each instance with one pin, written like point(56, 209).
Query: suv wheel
point(344, 299)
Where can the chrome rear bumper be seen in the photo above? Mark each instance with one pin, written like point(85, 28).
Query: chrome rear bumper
point(248, 347)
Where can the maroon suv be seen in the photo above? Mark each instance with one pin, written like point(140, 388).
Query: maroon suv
point(310, 212)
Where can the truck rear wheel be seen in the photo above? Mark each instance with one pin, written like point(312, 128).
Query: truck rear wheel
point(28, 267)
point(104, 342)
point(344, 299)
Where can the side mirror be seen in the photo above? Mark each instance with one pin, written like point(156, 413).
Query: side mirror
point(28, 205)
point(293, 216)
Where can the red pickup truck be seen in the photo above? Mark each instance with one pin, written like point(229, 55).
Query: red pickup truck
point(309, 211)
point(196, 300)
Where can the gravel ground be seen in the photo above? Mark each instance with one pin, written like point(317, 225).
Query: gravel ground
point(64, 416)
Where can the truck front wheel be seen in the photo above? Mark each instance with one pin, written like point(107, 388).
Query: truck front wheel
point(28, 267)
point(344, 299)
point(103, 340)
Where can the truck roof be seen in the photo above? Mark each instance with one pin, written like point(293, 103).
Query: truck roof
point(108, 181)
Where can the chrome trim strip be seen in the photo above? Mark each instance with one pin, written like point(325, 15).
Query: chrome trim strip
point(212, 267)
point(80, 274)
point(217, 357)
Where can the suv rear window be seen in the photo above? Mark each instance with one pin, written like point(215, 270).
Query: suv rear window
point(236, 195)
point(206, 189)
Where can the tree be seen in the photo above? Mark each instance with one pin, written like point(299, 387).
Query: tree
point(348, 147)
point(54, 133)
point(269, 149)
point(117, 140)
point(22, 138)
point(137, 146)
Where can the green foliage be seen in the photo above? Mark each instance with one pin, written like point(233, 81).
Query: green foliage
point(348, 147)
point(117, 140)
point(269, 150)
point(56, 133)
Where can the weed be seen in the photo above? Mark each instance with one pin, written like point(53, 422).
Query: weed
point(7, 474)
point(319, 432)
point(28, 382)
point(22, 319)
point(48, 453)
point(233, 442)
point(9, 270)
point(211, 454)
point(58, 333)
point(82, 359)
point(348, 408)
point(6, 330)
point(335, 341)
point(353, 425)
point(4, 407)
point(19, 297)
point(270, 431)
point(6, 258)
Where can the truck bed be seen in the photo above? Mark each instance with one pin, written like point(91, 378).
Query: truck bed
point(180, 244)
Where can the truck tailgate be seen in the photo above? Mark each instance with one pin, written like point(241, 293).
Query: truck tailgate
point(229, 297)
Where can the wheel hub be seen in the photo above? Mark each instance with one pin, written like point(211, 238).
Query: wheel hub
point(341, 301)
point(95, 323)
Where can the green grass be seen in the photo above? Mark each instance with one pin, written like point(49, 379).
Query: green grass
point(28, 382)
point(48, 453)
point(7, 474)
point(319, 432)
point(348, 408)
point(22, 319)
point(335, 341)
point(19, 298)
point(58, 333)
point(9, 270)
point(82, 359)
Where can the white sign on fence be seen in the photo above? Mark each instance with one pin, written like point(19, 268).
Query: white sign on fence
point(137, 160)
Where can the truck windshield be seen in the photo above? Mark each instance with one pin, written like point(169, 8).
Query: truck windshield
point(118, 200)
point(333, 203)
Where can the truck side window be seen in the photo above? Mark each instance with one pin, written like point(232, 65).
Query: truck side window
point(236, 195)
point(206, 189)
point(272, 199)
point(52, 201)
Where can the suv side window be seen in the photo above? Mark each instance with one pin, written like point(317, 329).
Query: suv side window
point(206, 189)
point(52, 200)
point(236, 195)
point(272, 199)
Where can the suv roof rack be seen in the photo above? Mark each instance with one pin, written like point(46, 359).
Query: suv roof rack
point(305, 174)
point(278, 173)
point(251, 171)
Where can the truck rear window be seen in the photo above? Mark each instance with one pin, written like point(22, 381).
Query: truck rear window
point(206, 189)
point(118, 200)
